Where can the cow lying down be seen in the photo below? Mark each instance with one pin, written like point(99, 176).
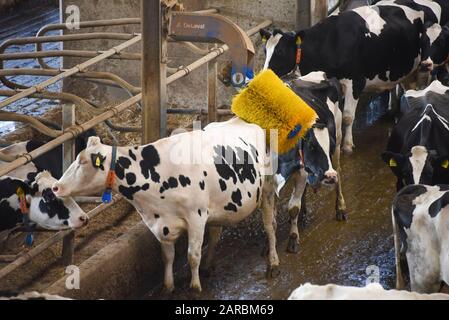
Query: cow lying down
point(216, 176)
point(50, 161)
point(421, 227)
point(372, 291)
point(45, 209)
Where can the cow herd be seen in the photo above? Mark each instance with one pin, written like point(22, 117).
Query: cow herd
point(220, 175)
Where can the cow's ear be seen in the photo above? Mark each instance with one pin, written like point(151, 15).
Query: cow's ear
point(98, 160)
point(441, 162)
point(392, 159)
point(264, 34)
point(93, 141)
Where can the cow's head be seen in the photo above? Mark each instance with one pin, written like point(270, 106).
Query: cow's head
point(415, 167)
point(87, 175)
point(51, 212)
point(280, 51)
point(318, 146)
point(439, 49)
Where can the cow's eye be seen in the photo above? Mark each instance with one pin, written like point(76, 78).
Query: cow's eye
point(83, 161)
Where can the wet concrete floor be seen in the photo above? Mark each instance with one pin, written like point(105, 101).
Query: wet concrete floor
point(345, 253)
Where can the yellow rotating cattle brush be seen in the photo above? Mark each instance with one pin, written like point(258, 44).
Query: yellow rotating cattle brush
point(271, 104)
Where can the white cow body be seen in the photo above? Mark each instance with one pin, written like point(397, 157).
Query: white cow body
point(421, 227)
point(178, 184)
point(372, 291)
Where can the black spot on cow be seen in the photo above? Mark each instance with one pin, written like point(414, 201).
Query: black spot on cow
point(403, 208)
point(136, 148)
point(150, 159)
point(199, 212)
point(222, 184)
point(237, 197)
point(172, 182)
point(244, 142)
point(205, 173)
point(234, 163)
point(438, 205)
point(156, 216)
point(145, 186)
point(184, 181)
point(230, 207)
point(254, 152)
point(129, 192)
point(165, 231)
point(130, 178)
point(132, 155)
point(122, 164)
point(258, 194)
point(249, 194)
point(202, 184)
point(53, 206)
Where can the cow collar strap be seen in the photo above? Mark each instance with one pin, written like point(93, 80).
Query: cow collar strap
point(110, 180)
point(298, 51)
point(29, 239)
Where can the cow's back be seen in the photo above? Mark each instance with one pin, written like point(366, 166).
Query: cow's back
point(224, 165)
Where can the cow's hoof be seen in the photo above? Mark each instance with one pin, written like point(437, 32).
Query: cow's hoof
point(273, 272)
point(341, 216)
point(196, 287)
point(293, 243)
point(348, 149)
point(167, 291)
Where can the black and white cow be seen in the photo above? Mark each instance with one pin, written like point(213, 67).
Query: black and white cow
point(50, 161)
point(216, 176)
point(421, 229)
point(45, 209)
point(320, 148)
point(418, 148)
point(370, 48)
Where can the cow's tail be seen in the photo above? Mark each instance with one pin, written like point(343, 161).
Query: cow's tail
point(397, 252)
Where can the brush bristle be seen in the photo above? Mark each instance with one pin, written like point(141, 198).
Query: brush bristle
point(269, 103)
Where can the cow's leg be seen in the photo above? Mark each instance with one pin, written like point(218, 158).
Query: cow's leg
point(196, 236)
point(168, 255)
point(348, 117)
point(340, 205)
point(397, 251)
point(294, 208)
point(269, 221)
point(214, 237)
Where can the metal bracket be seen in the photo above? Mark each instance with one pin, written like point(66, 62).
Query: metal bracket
point(205, 27)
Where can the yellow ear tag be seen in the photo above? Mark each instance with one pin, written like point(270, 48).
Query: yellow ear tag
point(393, 163)
point(264, 39)
point(445, 164)
point(98, 162)
point(298, 40)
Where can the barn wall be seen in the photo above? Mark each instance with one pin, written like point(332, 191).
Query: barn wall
point(187, 92)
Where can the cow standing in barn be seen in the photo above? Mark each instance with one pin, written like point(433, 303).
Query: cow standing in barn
point(418, 148)
point(370, 48)
point(215, 176)
point(320, 148)
point(421, 227)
